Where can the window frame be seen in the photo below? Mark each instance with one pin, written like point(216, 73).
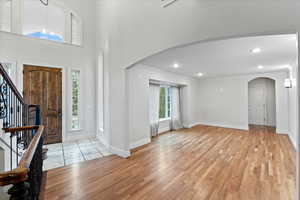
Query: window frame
point(10, 18)
point(17, 11)
point(80, 28)
point(168, 103)
point(13, 74)
point(80, 121)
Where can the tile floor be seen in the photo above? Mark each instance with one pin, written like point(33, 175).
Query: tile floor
point(63, 154)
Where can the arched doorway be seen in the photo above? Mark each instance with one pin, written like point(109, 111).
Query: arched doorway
point(262, 102)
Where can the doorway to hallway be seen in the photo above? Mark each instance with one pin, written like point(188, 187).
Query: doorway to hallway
point(262, 102)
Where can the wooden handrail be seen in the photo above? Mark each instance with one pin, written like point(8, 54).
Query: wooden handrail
point(11, 84)
point(23, 128)
point(20, 173)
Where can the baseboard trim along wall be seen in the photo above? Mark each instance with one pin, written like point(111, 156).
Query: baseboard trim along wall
point(140, 143)
point(284, 132)
point(219, 125)
point(119, 152)
point(103, 141)
point(164, 129)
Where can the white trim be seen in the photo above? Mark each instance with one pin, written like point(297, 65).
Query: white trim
point(140, 143)
point(119, 152)
point(281, 131)
point(17, 21)
point(164, 119)
point(240, 127)
point(192, 125)
point(64, 90)
point(103, 141)
point(293, 141)
point(80, 100)
point(13, 74)
point(164, 129)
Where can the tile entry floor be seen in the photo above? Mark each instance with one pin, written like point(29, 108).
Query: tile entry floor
point(63, 154)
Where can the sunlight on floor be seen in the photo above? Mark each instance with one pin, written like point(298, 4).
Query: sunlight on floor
point(63, 154)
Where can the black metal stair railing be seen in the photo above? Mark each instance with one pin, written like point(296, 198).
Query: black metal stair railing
point(15, 117)
point(14, 112)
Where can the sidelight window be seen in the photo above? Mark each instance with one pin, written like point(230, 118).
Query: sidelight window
point(75, 99)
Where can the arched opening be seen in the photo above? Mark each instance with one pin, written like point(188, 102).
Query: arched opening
point(262, 102)
point(44, 22)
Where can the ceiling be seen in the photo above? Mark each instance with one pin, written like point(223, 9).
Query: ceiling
point(229, 57)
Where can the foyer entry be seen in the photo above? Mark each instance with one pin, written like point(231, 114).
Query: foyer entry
point(43, 86)
point(262, 102)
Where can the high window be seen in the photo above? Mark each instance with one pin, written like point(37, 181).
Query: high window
point(164, 103)
point(75, 30)
point(44, 22)
point(75, 75)
point(33, 19)
point(5, 15)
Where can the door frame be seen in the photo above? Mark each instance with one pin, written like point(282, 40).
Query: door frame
point(265, 75)
point(64, 89)
point(265, 113)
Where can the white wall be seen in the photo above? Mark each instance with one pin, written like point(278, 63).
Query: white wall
point(224, 101)
point(138, 78)
point(294, 105)
point(24, 50)
point(130, 30)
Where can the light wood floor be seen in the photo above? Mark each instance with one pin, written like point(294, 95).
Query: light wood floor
point(200, 163)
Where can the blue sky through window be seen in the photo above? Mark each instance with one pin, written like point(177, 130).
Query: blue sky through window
point(46, 36)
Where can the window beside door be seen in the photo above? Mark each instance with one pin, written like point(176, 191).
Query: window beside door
point(10, 68)
point(75, 76)
point(164, 103)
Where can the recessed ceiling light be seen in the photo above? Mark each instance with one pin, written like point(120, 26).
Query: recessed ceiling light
point(176, 65)
point(256, 50)
point(200, 74)
point(260, 67)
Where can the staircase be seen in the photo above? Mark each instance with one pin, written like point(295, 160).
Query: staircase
point(21, 142)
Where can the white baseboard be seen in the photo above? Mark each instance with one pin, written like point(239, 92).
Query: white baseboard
point(192, 125)
point(294, 143)
point(103, 140)
point(75, 137)
point(164, 129)
point(281, 131)
point(246, 127)
point(140, 143)
point(119, 152)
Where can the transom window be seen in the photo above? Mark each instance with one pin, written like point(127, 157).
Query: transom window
point(165, 103)
point(53, 22)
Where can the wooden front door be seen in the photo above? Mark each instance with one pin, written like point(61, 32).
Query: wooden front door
point(43, 86)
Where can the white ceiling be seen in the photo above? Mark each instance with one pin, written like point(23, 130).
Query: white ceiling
point(229, 57)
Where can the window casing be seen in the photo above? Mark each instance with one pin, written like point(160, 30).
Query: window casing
point(54, 22)
point(76, 37)
point(165, 103)
point(10, 68)
point(5, 15)
point(75, 78)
